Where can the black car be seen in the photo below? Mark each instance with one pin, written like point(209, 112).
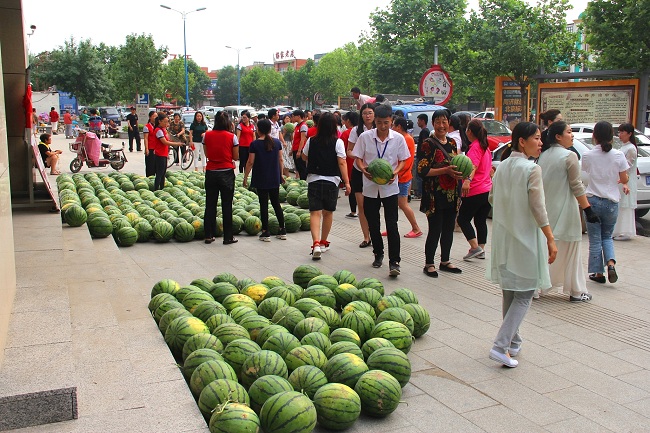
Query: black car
point(110, 113)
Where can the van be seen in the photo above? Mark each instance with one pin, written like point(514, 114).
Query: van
point(235, 110)
point(412, 111)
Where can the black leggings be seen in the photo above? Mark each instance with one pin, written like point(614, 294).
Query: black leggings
point(161, 169)
point(478, 208)
point(264, 196)
point(352, 199)
point(243, 158)
point(441, 228)
point(150, 164)
point(218, 182)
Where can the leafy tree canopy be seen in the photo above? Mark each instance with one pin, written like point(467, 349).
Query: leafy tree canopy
point(137, 67)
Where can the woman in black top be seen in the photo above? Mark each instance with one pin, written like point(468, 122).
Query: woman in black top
point(198, 128)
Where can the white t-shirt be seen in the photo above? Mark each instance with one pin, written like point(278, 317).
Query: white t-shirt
point(275, 130)
point(362, 100)
point(340, 153)
point(393, 149)
point(352, 138)
point(603, 169)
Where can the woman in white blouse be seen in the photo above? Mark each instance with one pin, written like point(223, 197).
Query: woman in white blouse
point(607, 168)
point(625, 228)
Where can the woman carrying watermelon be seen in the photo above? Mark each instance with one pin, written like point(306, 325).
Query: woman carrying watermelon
point(440, 193)
point(475, 191)
point(326, 166)
point(221, 149)
point(265, 159)
point(522, 244)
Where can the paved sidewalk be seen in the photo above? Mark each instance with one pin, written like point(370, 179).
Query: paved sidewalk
point(584, 367)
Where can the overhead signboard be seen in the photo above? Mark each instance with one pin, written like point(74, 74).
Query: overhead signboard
point(436, 84)
point(507, 98)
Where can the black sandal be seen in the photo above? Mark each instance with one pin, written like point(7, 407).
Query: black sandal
point(231, 241)
point(599, 279)
point(428, 273)
point(446, 268)
point(365, 244)
point(209, 240)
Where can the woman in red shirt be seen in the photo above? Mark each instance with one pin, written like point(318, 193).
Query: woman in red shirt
point(245, 136)
point(220, 147)
point(161, 145)
point(149, 155)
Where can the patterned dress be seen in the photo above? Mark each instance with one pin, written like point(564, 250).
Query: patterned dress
point(442, 192)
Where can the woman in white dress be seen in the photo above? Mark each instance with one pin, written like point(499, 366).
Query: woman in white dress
point(625, 228)
point(562, 187)
point(522, 243)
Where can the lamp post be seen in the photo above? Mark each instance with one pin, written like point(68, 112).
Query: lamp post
point(238, 73)
point(184, 14)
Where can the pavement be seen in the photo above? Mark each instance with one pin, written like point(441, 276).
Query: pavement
point(80, 319)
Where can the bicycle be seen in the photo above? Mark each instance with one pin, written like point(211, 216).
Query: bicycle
point(186, 159)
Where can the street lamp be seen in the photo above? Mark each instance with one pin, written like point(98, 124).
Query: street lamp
point(184, 14)
point(238, 73)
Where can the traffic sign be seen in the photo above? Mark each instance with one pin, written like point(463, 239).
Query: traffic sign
point(436, 84)
point(143, 99)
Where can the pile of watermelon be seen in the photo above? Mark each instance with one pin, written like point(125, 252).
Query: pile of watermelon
point(124, 205)
point(286, 356)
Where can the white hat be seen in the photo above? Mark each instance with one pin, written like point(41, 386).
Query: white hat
point(253, 114)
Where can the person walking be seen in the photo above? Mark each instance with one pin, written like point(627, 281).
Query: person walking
point(245, 132)
point(265, 159)
point(324, 155)
point(161, 145)
point(54, 121)
point(350, 121)
point(475, 190)
point(287, 153)
point(625, 228)
point(299, 140)
point(607, 168)
point(221, 150)
point(440, 193)
point(67, 122)
point(134, 130)
point(198, 128)
point(149, 145)
point(366, 123)
point(522, 244)
point(387, 144)
point(562, 187)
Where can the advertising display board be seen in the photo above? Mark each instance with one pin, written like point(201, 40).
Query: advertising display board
point(507, 98)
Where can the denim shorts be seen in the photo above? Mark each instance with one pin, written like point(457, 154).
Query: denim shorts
point(323, 195)
point(404, 188)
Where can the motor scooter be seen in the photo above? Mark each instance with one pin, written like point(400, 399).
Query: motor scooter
point(88, 148)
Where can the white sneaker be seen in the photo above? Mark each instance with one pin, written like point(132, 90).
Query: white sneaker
point(472, 253)
point(324, 246)
point(514, 351)
point(315, 252)
point(503, 358)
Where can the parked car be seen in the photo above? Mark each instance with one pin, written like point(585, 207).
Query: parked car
point(485, 115)
point(412, 111)
point(642, 139)
point(110, 113)
point(498, 133)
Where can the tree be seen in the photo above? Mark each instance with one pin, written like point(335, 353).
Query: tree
point(77, 68)
point(173, 80)
point(225, 91)
point(263, 86)
point(614, 31)
point(337, 72)
point(515, 39)
point(299, 84)
point(137, 67)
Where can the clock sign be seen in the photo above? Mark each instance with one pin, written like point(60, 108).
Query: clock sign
point(436, 84)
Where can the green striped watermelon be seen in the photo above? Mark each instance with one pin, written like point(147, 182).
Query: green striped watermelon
point(372, 283)
point(287, 317)
point(242, 312)
point(282, 292)
point(225, 277)
point(201, 341)
point(265, 387)
point(267, 331)
point(396, 333)
point(281, 343)
point(292, 223)
point(197, 358)
point(269, 306)
point(327, 314)
point(397, 315)
point(207, 309)
point(144, 230)
point(159, 299)
point(323, 280)
point(296, 289)
point(369, 296)
point(202, 283)
point(192, 300)
point(344, 294)
point(126, 236)
point(288, 412)
point(311, 324)
point(221, 290)
point(169, 316)
point(260, 364)
point(345, 334)
point(305, 305)
point(304, 273)
point(359, 306)
point(219, 392)
point(236, 352)
point(75, 215)
point(238, 300)
point(380, 393)
point(393, 361)
point(463, 164)
point(344, 347)
point(228, 332)
point(305, 355)
point(421, 319)
point(272, 281)
point(100, 227)
point(184, 232)
point(345, 368)
point(253, 225)
point(162, 231)
point(373, 344)
point(388, 302)
point(307, 379)
point(406, 295)
point(338, 406)
point(381, 172)
point(165, 307)
point(345, 277)
point(303, 201)
point(360, 322)
point(234, 418)
point(218, 319)
point(180, 330)
point(254, 324)
point(316, 339)
point(322, 294)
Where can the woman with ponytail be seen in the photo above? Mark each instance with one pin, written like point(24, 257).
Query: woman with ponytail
point(161, 145)
point(265, 159)
point(475, 191)
point(457, 132)
point(625, 228)
point(607, 168)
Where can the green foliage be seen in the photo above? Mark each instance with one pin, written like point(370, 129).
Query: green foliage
point(263, 85)
point(137, 67)
point(173, 80)
point(226, 91)
point(299, 83)
point(337, 72)
point(614, 30)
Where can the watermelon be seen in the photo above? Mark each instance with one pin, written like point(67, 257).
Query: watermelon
point(237, 224)
point(245, 282)
point(311, 324)
point(254, 324)
point(170, 315)
point(180, 330)
point(304, 273)
point(305, 355)
point(421, 319)
point(395, 332)
point(228, 332)
point(393, 361)
point(373, 344)
point(318, 340)
point(272, 281)
point(201, 341)
point(345, 334)
point(303, 201)
point(253, 225)
point(344, 347)
point(165, 307)
point(219, 392)
point(338, 406)
point(406, 295)
point(230, 302)
point(162, 231)
point(380, 393)
point(218, 319)
point(256, 292)
point(225, 277)
point(344, 294)
point(186, 290)
point(192, 300)
point(197, 358)
point(202, 283)
point(322, 294)
point(292, 223)
point(305, 305)
point(274, 225)
point(207, 309)
point(159, 299)
point(463, 164)
point(265, 387)
point(269, 306)
point(380, 170)
point(359, 306)
point(237, 351)
point(372, 283)
point(282, 292)
point(267, 331)
point(100, 227)
point(75, 216)
point(184, 232)
point(288, 412)
point(220, 290)
point(388, 302)
point(327, 314)
point(397, 315)
point(260, 364)
point(345, 368)
point(281, 343)
point(287, 317)
point(307, 379)
point(242, 312)
point(234, 418)
point(360, 322)
point(323, 280)
point(296, 289)
point(369, 296)
point(305, 222)
point(144, 230)
point(345, 277)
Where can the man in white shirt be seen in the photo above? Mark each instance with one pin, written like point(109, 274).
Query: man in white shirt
point(276, 129)
point(360, 98)
point(387, 144)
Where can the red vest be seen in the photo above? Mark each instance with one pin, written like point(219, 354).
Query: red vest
point(296, 137)
point(218, 150)
point(159, 148)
